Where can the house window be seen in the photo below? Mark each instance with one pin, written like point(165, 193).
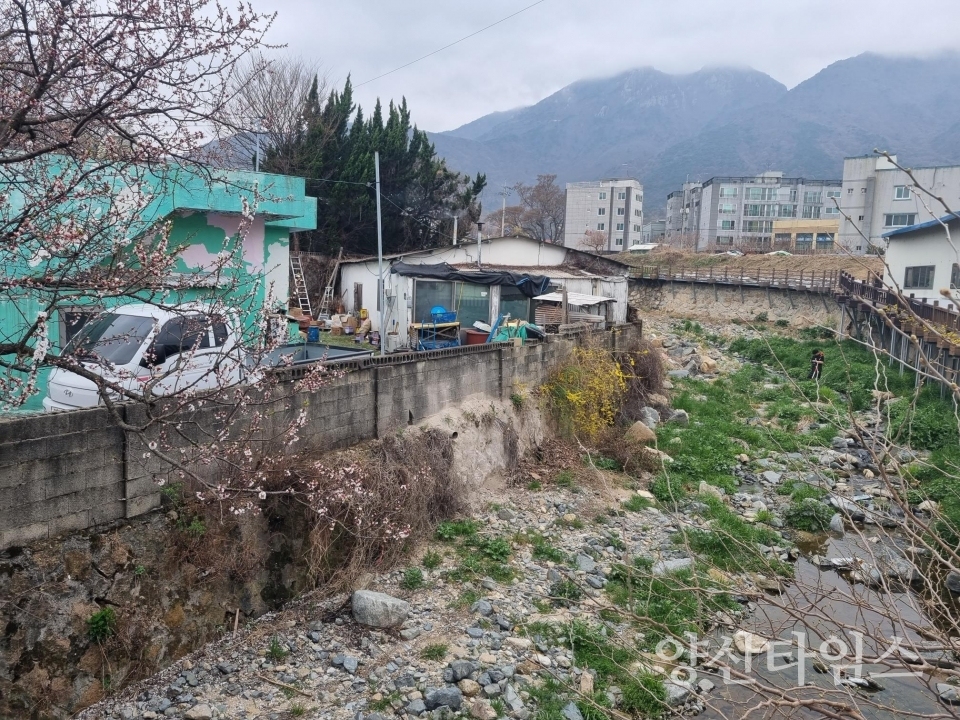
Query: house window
point(622, 195)
point(782, 238)
point(955, 277)
point(757, 226)
point(514, 303)
point(621, 212)
point(603, 196)
point(636, 228)
point(919, 277)
point(811, 212)
point(638, 213)
point(620, 226)
point(601, 226)
point(833, 193)
point(901, 192)
point(727, 209)
point(804, 241)
point(788, 211)
point(728, 192)
point(728, 224)
point(601, 211)
point(619, 241)
point(724, 239)
point(638, 197)
point(753, 193)
point(831, 210)
point(899, 219)
point(813, 198)
point(470, 302)
point(824, 241)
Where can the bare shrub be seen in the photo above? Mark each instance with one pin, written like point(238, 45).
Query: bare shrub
point(641, 365)
point(370, 506)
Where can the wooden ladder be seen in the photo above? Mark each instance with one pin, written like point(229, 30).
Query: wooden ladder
point(328, 290)
point(300, 284)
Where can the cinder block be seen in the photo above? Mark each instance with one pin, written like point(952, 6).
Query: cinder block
point(68, 523)
point(142, 505)
point(106, 512)
point(23, 535)
point(65, 484)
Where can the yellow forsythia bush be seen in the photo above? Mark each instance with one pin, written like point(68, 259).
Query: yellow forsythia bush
point(586, 393)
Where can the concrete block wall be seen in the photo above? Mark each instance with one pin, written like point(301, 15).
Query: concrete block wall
point(59, 472)
point(70, 471)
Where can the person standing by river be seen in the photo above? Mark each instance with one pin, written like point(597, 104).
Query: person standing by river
point(816, 364)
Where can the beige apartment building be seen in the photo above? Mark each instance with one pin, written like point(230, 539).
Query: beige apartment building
point(802, 236)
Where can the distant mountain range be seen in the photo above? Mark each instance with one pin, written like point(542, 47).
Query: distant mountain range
point(719, 121)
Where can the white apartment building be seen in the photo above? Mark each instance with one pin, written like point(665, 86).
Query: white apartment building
point(740, 211)
point(613, 207)
point(878, 198)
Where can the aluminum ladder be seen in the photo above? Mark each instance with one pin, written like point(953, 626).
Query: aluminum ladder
point(300, 284)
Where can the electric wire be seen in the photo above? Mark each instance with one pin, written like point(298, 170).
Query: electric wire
point(445, 47)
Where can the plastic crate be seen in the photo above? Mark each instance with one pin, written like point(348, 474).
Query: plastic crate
point(444, 317)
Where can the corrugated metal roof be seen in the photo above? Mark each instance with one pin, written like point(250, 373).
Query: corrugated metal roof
point(949, 219)
point(577, 299)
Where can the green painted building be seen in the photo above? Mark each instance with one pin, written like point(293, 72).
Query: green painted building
point(196, 214)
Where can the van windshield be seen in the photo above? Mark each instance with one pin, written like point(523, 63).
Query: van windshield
point(110, 337)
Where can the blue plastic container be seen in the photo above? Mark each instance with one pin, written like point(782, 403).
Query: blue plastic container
point(313, 334)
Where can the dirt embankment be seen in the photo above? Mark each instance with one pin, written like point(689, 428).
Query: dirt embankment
point(856, 265)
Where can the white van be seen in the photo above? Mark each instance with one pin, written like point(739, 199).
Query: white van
point(184, 349)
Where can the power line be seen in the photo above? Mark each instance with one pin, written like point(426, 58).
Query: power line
point(445, 47)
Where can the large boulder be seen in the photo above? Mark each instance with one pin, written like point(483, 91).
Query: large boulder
point(379, 610)
point(640, 433)
point(449, 696)
point(649, 417)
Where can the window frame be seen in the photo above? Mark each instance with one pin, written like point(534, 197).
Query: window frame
point(901, 192)
point(914, 275)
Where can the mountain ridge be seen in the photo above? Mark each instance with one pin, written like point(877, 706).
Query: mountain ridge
point(662, 128)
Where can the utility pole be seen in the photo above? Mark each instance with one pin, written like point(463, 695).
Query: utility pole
point(381, 290)
point(503, 212)
point(479, 241)
point(456, 240)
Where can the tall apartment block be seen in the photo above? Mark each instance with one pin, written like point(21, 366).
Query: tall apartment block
point(613, 207)
point(740, 211)
point(878, 197)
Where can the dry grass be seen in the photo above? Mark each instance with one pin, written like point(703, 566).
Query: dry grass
point(858, 266)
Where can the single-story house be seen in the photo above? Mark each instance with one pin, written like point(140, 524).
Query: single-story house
point(501, 277)
point(921, 261)
point(202, 212)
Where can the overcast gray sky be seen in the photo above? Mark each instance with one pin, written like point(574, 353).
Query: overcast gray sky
point(556, 42)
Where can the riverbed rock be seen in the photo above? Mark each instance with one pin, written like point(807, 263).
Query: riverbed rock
point(662, 567)
point(649, 417)
point(836, 524)
point(711, 490)
point(378, 610)
point(640, 433)
point(952, 581)
point(450, 697)
point(677, 693)
point(949, 694)
point(679, 417)
point(571, 711)
point(748, 642)
point(201, 711)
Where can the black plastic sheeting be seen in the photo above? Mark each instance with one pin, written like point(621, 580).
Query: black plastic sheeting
point(529, 285)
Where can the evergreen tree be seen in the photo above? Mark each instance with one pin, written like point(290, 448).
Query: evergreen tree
point(420, 194)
